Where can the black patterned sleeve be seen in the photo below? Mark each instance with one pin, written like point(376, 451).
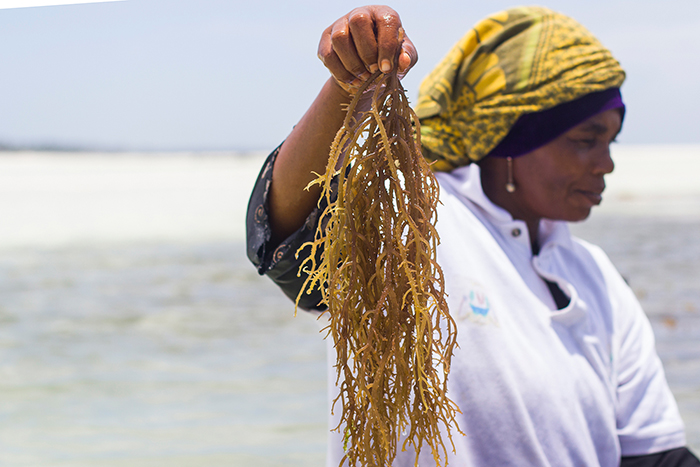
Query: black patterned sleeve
point(278, 262)
point(679, 457)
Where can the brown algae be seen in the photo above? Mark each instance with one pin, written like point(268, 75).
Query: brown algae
point(374, 259)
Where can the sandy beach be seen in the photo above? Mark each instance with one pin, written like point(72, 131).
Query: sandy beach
point(52, 199)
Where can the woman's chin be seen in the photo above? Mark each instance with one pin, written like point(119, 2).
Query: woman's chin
point(579, 214)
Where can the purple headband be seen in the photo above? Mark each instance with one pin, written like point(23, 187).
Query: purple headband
point(534, 130)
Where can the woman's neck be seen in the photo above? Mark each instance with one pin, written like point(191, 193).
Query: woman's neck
point(533, 229)
point(493, 182)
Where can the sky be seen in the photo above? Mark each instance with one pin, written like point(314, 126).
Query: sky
point(237, 74)
point(30, 3)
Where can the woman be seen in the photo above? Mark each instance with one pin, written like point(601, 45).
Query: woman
point(556, 362)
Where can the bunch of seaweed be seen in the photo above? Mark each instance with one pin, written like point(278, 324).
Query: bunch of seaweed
point(374, 259)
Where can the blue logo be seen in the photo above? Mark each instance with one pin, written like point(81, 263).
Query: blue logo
point(475, 305)
point(479, 303)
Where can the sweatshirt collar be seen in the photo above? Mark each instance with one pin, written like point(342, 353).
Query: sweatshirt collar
point(466, 182)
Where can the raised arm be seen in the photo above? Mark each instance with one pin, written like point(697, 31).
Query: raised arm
point(352, 48)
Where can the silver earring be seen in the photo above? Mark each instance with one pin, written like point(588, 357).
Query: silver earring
point(510, 186)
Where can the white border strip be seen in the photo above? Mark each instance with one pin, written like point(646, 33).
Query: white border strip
point(5, 4)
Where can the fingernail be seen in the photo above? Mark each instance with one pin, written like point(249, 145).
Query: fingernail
point(406, 59)
point(373, 68)
point(364, 76)
point(385, 66)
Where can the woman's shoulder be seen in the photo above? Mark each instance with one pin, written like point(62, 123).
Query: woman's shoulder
point(596, 253)
point(615, 285)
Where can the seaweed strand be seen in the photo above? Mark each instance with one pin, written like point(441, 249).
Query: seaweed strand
point(374, 259)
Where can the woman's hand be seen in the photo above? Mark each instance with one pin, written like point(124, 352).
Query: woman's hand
point(367, 39)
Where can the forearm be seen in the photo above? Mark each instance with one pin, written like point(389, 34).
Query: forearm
point(304, 152)
point(365, 40)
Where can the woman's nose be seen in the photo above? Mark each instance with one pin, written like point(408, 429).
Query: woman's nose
point(603, 163)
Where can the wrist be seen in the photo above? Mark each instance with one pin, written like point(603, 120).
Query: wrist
point(341, 91)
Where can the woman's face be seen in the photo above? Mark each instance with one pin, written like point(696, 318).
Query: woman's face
point(563, 179)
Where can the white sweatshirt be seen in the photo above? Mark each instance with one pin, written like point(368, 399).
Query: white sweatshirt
point(538, 386)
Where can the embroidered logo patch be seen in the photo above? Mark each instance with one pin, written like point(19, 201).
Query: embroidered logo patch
point(479, 302)
point(475, 305)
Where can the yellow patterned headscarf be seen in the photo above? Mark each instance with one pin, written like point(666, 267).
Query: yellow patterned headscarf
point(523, 60)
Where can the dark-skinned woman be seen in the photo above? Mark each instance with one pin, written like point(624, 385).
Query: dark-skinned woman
point(556, 364)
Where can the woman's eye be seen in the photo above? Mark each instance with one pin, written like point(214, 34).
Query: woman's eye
point(586, 142)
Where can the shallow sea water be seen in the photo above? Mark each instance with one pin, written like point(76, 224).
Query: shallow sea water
point(180, 354)
point(134, 332)
point(154, 355)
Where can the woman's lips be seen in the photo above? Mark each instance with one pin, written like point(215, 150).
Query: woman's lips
point(595, 197)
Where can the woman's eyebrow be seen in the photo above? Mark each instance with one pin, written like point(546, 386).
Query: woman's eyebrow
point(598, 128)
point(595, 127)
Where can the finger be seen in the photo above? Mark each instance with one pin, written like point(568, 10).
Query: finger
point(408, 57)
point(330, 58)
point(344, 46)
point(388, 26)
point(361, 24)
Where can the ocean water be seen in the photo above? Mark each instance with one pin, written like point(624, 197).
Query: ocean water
point(133, 330)
point(154, 355)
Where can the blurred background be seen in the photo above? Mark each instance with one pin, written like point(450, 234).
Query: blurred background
point(133, 331)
